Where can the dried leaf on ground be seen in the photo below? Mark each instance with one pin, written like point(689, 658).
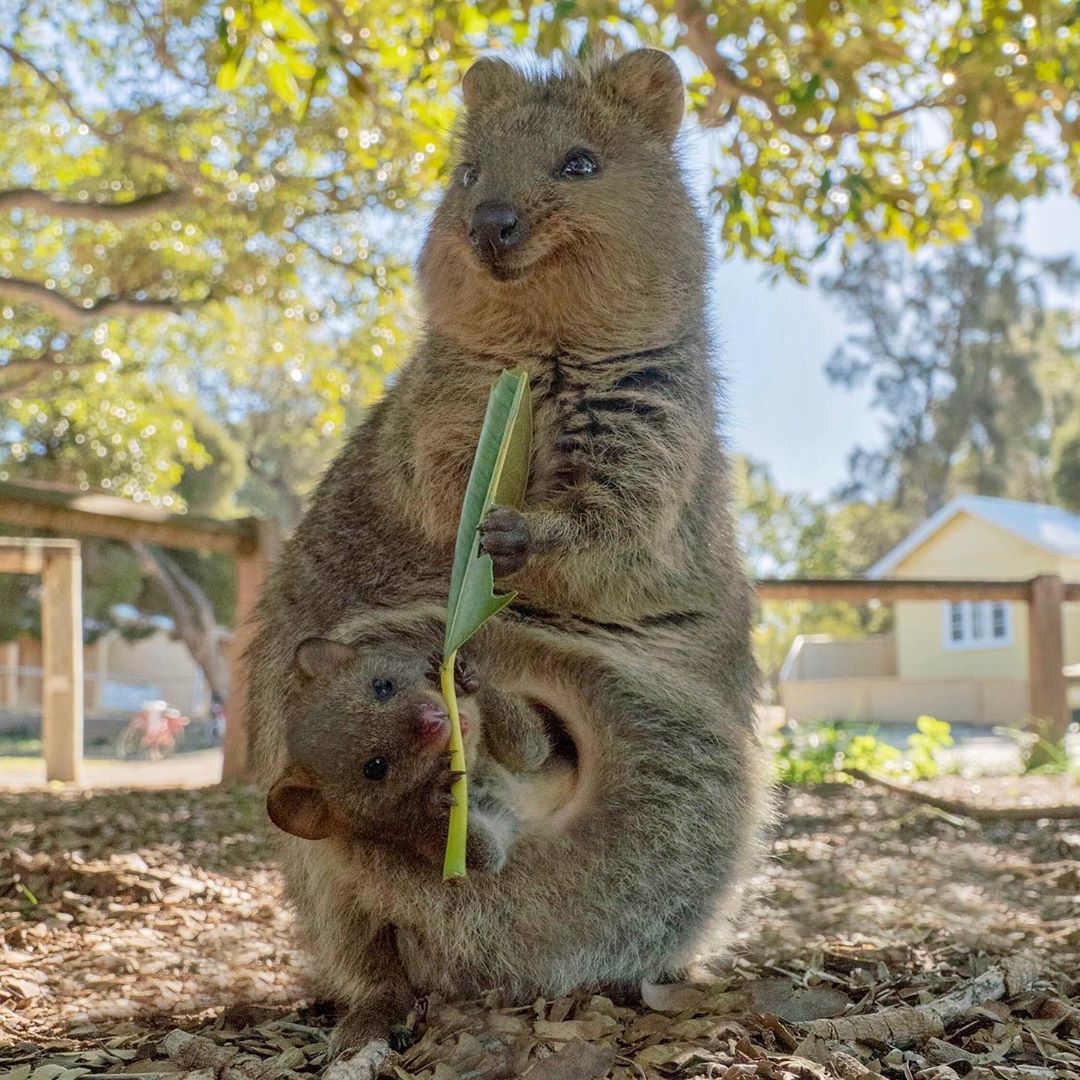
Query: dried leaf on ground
point(144, 934)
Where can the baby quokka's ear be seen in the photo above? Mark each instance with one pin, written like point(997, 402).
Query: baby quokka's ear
point(319, 657)
point(649, 81)
point(296, 805)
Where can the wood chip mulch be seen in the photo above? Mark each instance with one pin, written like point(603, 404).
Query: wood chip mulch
point(143, 934)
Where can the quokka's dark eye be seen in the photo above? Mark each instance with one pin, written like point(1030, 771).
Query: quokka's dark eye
point(376, 768)
point(469, 175)
point(578, 163)
point(383, 689)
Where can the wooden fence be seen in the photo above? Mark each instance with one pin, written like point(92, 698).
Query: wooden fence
point(1045, 596)
point(59, 564)
point(253, 543)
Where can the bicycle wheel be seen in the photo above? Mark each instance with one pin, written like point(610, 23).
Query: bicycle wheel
point(129, 742)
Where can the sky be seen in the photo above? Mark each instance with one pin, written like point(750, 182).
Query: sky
point(776, 340)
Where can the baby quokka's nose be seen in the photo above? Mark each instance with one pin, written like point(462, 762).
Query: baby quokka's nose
point(494, 228)
point(433, 726)
point(431, 722)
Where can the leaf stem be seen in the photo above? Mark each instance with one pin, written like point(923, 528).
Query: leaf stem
point(454, 863)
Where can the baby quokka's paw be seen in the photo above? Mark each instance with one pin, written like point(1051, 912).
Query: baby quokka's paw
point(440, 793)
point(483, 854)
point(466, 680)
point(505, 536)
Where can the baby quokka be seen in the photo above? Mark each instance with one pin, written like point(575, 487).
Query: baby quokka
point(369, 754)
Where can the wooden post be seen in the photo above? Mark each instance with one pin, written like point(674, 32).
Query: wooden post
point(1046, 659)
point(11, 675)
point(62, 667)
point(252, 564)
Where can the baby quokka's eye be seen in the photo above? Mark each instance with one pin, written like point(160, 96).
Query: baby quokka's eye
point(469, 175)
point(578, 164)
point(376, 768)
point(383, 689)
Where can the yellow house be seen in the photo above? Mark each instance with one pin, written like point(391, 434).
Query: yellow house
point(964, 662)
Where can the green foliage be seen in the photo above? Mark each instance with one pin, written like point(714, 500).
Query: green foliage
point(970, 369)
point(221, 239)
point(1040, 756)
point(925, 746)
point(829, 120)
point(821, 754)
point(209, 488)
point(826, 752)
point(1067, 468)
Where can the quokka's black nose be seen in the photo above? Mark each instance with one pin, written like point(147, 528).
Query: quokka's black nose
point(494, 228)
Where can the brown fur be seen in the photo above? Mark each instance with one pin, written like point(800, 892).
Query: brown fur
point(632, 622)
point(623, 870)
point(369, 754)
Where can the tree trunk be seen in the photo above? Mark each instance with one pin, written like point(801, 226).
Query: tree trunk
point(192, 613)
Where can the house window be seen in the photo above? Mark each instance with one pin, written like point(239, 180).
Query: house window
point(977, 624)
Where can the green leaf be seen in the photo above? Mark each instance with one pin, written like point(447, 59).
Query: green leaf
point(236, 66)
point(283, 83)
point(500, 472)
point(287, 24)
point(503, 451)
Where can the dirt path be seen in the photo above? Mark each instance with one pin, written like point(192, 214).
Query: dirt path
point(198, 768)
point(124, 915)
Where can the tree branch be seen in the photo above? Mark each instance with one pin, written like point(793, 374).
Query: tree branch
point(333, 260)
point(193, 614)
point(73, 316)
point(57, 87)
point(970, 810)
point(906, 1025)
point(55, 205)
point(66, 97)
point(25, 370)
point(17, 373)
point(701, 40)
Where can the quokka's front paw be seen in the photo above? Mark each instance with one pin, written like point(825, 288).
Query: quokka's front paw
point(466, 679)
point(440, 795)
point(483, 853)
point(362, 1042)
point(504, 535)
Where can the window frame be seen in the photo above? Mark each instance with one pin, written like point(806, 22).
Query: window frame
point(985, 617)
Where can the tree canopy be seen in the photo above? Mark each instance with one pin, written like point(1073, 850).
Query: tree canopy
point(884, 118)
point(973, 368)
point(208, 208)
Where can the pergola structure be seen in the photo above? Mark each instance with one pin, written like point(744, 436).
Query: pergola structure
point(249, 541)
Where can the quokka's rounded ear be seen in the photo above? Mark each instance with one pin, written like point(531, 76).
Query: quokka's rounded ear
point(488, 79)
point(319, 657)
point(650, 81)
point(297, 806)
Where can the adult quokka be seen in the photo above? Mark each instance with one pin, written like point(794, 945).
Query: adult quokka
point(566, 244)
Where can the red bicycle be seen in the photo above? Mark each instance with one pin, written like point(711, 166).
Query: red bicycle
point(155, 732)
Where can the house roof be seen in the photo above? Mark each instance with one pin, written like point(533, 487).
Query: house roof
point(1047, 527)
